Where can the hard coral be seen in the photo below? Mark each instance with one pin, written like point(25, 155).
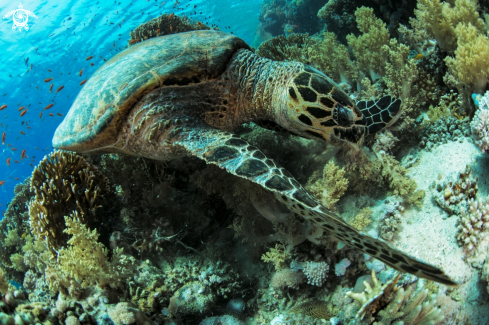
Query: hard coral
point(480, 124)
point(316, 272)
point(64, 183)
point(473, 224)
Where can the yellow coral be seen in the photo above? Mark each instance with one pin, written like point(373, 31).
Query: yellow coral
point(470, 67)
point(367, 47)
point(329, 188)
point(362, 219)
point(85, 261)
point(277, 256)
point(440, 19)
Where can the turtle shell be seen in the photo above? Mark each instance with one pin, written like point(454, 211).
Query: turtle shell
point(99, 110)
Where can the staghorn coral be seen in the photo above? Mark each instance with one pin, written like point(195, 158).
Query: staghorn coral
point(164, 25)
point(85, 262)
point(64, 183)
point(372, 297)
point(316, 272)
point(473, 224)
point(330, 186)
point(480, 124)
point(367, 47)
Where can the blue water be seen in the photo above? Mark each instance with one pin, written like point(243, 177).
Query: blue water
point(62, 36)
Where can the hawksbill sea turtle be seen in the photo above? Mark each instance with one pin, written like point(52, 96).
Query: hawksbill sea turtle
point(183, 94)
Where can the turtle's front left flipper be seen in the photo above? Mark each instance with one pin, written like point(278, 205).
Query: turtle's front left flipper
point(240, 158)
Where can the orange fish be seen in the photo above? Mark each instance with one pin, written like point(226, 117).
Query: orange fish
point(419, 56)
point(48, 79)
point(81, 83)
point(22, 154)
point(4, 106)
point(59, 89)
point(3, 138)
point(81, 71)
point(171, 16)
point(91, 64)
point(89, 58)
point(49, 106)
point(2, 182)
point(22, 132)
point(40, 115)
point(21, 108)
point(59, 114)
point(158, 31)
point(8, 161)
point(171, 28)
point(23, 112)
point(134, 41)
point(14, 149)
point(16, 161)
point(51, 87)
point(51, 114)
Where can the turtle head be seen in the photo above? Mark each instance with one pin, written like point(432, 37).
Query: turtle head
point(316, 107)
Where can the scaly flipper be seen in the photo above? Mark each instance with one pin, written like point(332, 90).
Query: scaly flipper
point(380, 113)
point(238, 157)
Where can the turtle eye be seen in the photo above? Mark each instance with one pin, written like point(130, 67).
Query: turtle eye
point(343, 116)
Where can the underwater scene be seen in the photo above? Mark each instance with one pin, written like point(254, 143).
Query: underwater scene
point(231, 162)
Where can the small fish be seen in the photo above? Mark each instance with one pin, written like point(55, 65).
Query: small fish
point(48, 79)
point(158, 31)
point(80, 73)
point(59, 89)
point(49, 70)
point(419, 56)
point(171, 16)
point(9, 145)
point(3, 138)
point(22, 154)
point(134, 41)
point(13, 149)
point(89, 58)
point(51, 114)
point(27, 61)
point(2, 182)
point(4, 106)
point(81, 83)
point(49, 106)
point(16, 178)
point(22, 132)
point(171, 28)
point(8, 161)
point(69, 18)
point(51, 34)
point(16, 161)
point(22, 114)
point(40, 115)
point(120, 25)
point(51, 87)
point(91, 64)
point(59, 114)
point(31, 66)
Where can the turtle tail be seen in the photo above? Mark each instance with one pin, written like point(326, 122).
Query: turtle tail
point(239, 158)
point(380, 113)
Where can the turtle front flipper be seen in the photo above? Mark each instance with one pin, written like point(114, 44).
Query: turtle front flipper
point(380, 113)
point(238, 157)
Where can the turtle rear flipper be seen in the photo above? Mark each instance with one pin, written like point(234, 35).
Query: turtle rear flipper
point(239, 158)
point(380, 113)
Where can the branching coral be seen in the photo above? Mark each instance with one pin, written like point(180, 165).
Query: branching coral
point(64, 183)
point(316, 272)
point(85, 262)
point(367, 47)
point(473, 224)
point(330, 186)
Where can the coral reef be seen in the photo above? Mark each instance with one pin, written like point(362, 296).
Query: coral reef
point(316, 272)
point(480, 123)
point(328, 187)
point(473, 224)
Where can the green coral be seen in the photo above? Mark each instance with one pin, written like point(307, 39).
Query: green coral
point(328, 187)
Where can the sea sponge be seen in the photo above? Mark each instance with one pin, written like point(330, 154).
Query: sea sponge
point(469, 69)
point(330, 186)
point(64, 183)
point(367, 47)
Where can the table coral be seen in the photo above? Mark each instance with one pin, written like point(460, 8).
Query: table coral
point(64, 183)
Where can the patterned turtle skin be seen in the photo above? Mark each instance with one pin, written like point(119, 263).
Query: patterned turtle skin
point(183, 94)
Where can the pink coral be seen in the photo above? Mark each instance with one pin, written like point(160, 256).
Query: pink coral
point(480, 124)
